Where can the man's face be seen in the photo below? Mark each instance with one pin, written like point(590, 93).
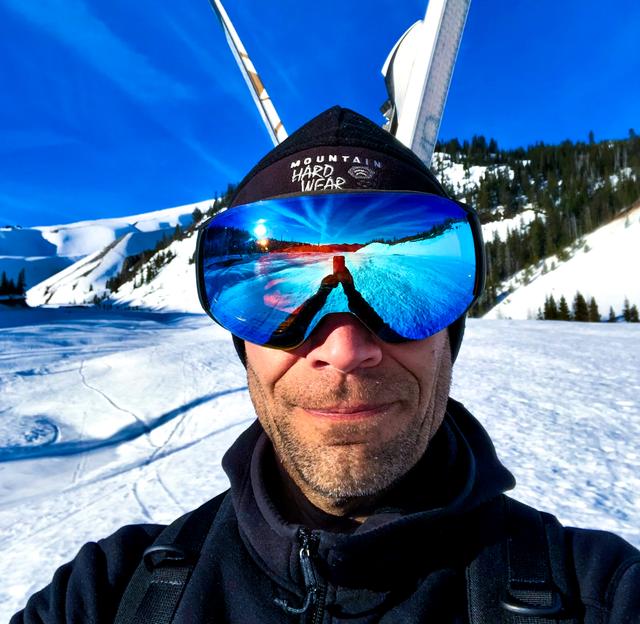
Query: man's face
point(347, 413)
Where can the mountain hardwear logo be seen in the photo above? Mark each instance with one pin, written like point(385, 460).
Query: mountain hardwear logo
point(328, 172)
point(360, 172)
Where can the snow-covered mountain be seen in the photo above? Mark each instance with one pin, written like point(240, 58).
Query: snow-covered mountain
point(84, 255)
point(603, 265)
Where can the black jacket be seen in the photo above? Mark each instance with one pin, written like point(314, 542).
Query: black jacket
point(405, 564)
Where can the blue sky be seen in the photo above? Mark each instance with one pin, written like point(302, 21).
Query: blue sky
point(114, 108)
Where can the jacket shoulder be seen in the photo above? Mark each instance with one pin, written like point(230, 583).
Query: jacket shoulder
point(598, 571)
point(88, 588)
point(607, 569)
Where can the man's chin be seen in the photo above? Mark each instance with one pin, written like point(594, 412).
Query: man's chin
point(351, 472)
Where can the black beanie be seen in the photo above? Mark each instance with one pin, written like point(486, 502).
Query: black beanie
point(339, 150)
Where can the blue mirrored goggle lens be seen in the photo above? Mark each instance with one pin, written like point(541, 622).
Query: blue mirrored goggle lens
point(403, 263)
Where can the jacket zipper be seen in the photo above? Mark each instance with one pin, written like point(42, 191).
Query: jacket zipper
point(315, 591)
point(313, 584)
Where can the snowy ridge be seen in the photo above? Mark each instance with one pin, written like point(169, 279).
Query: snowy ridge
point(603, 266)
point(84, 237)
point(86, 279)
point(443, 244)
point(43, 251)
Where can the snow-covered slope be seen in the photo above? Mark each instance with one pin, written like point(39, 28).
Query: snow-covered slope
point(502, 227)
point(460, 178)
point(605, 267)
point(154, 400)
point(43, 251)
point(172, 289)
point(102, 246)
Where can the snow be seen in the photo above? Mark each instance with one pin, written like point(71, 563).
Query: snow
point(85, 237)
point(158, 397)
point(503, 227)
point(170, 385)
point(462, 179)
point(605, 267)
point(624, 174)
point(267, 289)
point(173, 289)
point(80, 282)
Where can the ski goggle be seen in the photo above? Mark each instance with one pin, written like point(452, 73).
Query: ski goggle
point(405, 264)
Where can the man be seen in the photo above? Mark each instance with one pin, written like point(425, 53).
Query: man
point(362, 493)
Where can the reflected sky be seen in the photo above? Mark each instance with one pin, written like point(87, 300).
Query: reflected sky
point(342, 218)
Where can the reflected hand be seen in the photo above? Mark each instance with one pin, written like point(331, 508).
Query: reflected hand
point(343, 276)
point(330, 281)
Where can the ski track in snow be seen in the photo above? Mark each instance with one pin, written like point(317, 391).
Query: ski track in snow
point(560, 401)
point(143, 425)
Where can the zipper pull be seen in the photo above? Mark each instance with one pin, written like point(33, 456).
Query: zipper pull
point(308, 545)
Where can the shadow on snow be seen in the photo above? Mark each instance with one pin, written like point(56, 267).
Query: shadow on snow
point(40, 439)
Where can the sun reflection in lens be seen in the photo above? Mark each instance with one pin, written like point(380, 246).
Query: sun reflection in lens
point(260, 229)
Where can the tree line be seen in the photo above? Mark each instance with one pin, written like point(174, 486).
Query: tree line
point(582, 311)
point(10, 287)
point(573, 188)
point(143, 267)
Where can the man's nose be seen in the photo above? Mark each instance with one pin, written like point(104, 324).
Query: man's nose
point(342, 342)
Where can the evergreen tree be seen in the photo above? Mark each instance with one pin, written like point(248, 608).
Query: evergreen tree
point(7, 286)
point(594, 313)
point(612, 315)
point(580, 308)
point(563, 310)
point(21, 286)
point(196, 215)
point(626, 310)
point(633, 314)
point(550, 309)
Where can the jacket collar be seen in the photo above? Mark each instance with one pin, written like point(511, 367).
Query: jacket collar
point(458, 473)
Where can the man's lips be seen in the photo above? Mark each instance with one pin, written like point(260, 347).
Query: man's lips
point(350, 412)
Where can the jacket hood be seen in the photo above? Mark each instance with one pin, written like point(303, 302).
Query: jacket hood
point(458, 474)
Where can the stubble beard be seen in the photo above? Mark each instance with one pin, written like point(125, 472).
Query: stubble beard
point(337, 469)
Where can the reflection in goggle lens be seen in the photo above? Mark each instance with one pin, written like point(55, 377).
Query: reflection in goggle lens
point(403, 263)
